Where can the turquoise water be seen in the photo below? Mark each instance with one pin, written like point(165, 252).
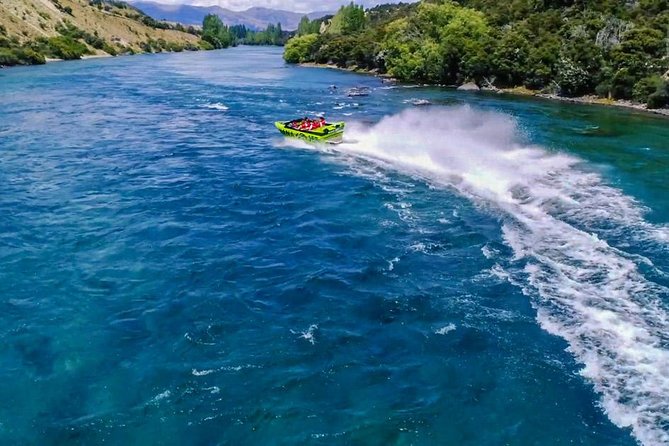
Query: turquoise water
point(483, 271)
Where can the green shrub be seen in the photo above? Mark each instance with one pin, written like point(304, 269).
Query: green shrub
point(66, 48)
point(174, 47)
point(660, 98)
point(206, 45)
point(299, 49)
point(107, 48)
point(646, 87)
point(622, 84)
point(603, 89)
point(29, 56)
point(8, 58)
point(20, 56)
point(69, 30)
point(146, 46)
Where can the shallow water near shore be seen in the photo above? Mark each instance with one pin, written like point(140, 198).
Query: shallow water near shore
point(485, 270)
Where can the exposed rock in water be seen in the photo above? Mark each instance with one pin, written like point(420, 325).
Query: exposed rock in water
point(469, 86)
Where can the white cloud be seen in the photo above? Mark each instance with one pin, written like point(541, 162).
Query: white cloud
point(299, 5)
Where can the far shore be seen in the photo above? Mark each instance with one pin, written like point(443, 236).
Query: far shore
point(88, 56)
point(518, 91)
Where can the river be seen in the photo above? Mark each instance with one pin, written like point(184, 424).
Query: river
point(485, 270)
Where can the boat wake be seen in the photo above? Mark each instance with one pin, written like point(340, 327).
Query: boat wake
point(557, 217)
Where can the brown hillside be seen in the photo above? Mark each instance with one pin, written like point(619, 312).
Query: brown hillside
point(119, 25)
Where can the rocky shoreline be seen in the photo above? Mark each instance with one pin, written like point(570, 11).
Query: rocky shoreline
point(518, 91)
point(595, 100)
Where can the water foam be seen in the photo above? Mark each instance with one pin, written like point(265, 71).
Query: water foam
point(308, 334)
point(445, 329)
point(217, 106)
point(556, 217)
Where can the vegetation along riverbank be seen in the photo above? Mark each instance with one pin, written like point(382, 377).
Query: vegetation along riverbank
point(608, 49)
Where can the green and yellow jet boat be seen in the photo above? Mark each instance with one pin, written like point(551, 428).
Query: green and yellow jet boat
point(329, 132)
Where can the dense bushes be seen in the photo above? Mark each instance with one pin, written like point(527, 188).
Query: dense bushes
point(63, 47)
point(612, 48)
point(69, 30)
point(20, 56)
point(298, 49)
point(654, 90)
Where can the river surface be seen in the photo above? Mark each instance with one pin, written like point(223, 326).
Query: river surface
point(486, 270)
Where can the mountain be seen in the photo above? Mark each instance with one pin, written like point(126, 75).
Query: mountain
point(34, 30)
point(256, 17)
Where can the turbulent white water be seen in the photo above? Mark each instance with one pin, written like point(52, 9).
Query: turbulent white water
point(555, 218)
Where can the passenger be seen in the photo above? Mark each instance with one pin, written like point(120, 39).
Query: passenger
point(318, 123)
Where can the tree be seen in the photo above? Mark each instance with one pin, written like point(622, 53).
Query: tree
point(349, 19)
point(465, 42)
point(299, 49)
point(304, 27)
point(410, 58)
point(609, 47)
point(216, 33)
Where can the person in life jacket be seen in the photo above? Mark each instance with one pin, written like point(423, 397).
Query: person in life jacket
point(304, 125)
point(317, 123)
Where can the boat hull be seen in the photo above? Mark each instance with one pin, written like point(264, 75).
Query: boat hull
point(333, 132)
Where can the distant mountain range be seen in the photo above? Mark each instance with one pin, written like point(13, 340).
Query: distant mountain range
point(256, 17)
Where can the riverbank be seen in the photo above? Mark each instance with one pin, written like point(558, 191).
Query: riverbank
point(517, 91)
point(595, 100)
point(352, 69)
point(587, 99)
point(88, 56)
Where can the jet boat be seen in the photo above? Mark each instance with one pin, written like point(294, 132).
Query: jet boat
point(312, 131)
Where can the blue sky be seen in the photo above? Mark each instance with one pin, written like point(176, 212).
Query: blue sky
point(297, 5)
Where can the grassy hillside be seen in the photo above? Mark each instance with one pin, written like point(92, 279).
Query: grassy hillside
point(33, 30)
point(615, 49)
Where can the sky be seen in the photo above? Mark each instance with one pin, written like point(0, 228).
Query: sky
point(296, 5)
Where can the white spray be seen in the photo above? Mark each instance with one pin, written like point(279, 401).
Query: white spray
point(584, 290)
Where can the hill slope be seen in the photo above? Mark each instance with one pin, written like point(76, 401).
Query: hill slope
point(254, 18)
point(33, 29)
